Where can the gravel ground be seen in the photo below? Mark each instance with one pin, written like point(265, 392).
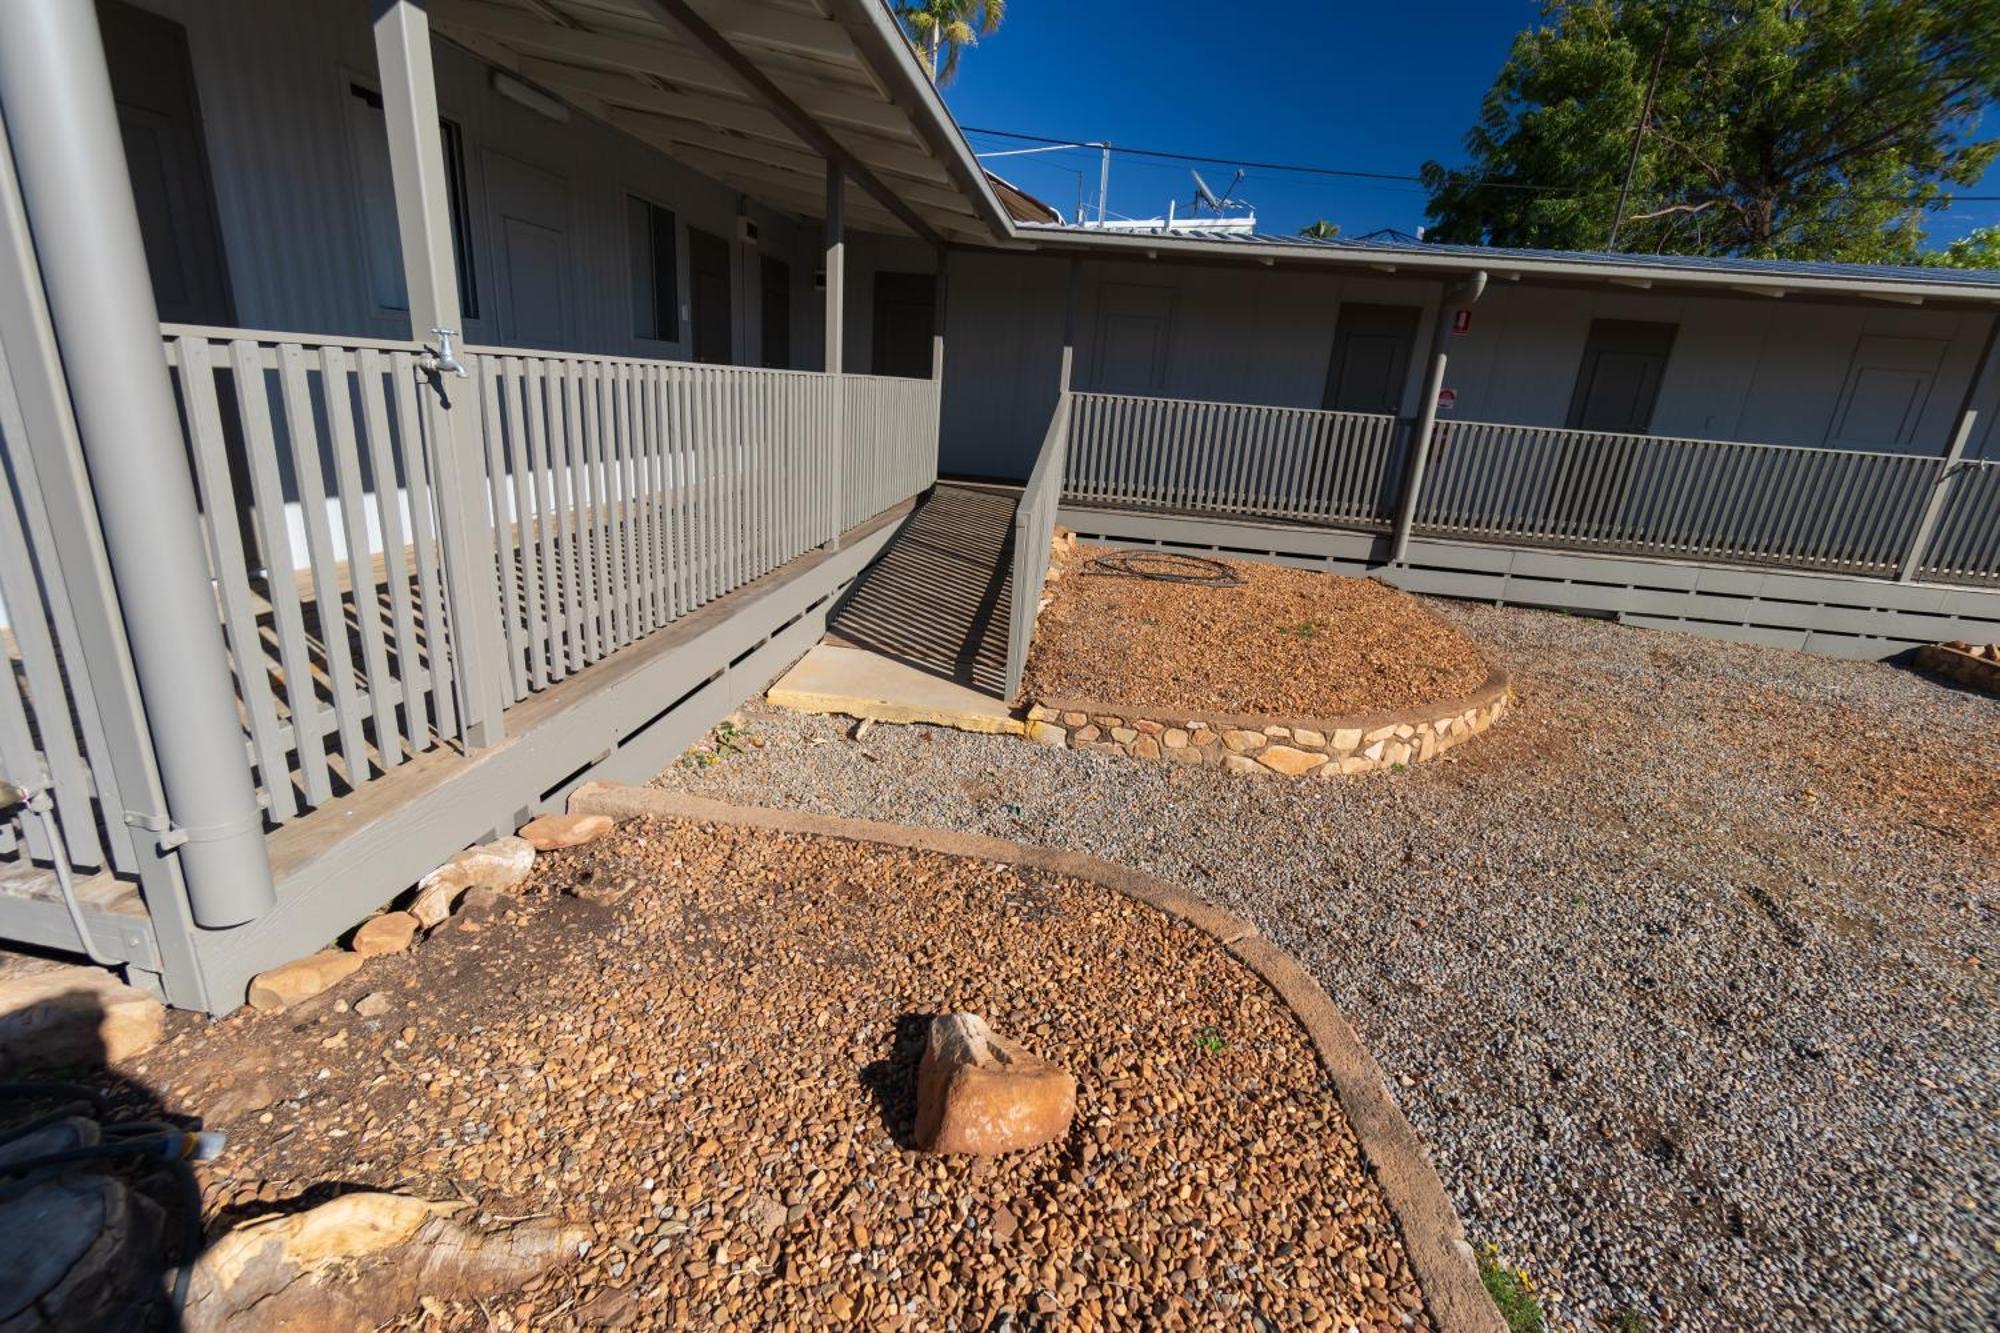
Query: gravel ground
point(1290, 643)
point(715, 1072)
point(1684, 970)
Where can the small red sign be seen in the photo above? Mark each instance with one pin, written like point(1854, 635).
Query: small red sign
point(1462, 322)
point(1447, 399)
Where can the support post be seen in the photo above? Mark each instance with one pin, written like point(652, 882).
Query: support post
point(1961, 439)
point(1069, 324)
point(77, 195)
point(1467, 291)
point(423, 225)
point(834, 238)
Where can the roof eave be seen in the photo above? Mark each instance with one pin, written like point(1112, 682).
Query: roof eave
point(1501, 263)
point(874, 32)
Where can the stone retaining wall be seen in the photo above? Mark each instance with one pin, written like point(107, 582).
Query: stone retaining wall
point(1328, 747)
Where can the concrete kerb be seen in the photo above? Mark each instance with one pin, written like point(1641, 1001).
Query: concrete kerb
point(1433, 1236)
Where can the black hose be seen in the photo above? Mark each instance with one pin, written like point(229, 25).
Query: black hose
point(1164, 567)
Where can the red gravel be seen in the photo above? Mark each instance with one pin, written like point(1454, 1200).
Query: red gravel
point(714, 1073)
point(1288, 643)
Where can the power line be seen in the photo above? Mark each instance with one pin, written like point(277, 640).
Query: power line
point(1306, 169)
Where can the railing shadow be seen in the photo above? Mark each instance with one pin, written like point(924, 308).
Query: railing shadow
point(938, 598)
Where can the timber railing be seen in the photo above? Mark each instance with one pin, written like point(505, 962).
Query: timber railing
point(1034, 530)
point(1198, 457)
point(618, 495)
point(1825, 509)
point(1725, 502)
point(1966, 545)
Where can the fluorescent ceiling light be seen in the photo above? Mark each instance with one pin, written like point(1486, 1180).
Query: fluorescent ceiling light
point(531, 97)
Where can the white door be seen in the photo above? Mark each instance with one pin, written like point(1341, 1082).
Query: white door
point(530, 211)
point(1888, 383)
point(1134, 324)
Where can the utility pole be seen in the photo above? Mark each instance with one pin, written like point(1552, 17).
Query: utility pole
point(1639, 134)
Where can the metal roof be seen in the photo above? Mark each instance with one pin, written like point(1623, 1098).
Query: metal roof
point(1768, 276)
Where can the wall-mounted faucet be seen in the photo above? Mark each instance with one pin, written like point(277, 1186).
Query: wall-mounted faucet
point(443, 358)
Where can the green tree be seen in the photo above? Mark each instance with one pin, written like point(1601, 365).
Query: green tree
point(940, 29)
point(1322, 230)
point(1976, 249)
point(1821, 129)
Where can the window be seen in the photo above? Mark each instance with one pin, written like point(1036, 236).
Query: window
point(656, 311)
point(369, 138)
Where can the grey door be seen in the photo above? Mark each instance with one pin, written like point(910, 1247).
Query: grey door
point(530, 210)
point(1888, 383)
point(1372, 345)
point(775, 321)
point(159, 118)
point(1134, 326)
point(1624, 361)
point(905, 314)
point(708, 290)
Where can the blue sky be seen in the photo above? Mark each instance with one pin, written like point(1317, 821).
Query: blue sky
point(1370, 87)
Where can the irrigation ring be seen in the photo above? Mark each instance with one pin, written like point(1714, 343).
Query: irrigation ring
point(1164, 567)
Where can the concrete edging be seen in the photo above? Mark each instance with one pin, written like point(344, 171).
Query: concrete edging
point(1432, 1234)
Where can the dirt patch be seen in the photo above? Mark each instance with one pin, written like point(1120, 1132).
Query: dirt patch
point(715, 1074)
point(1286, 643)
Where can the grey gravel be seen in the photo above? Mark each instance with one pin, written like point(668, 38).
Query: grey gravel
point(1697, 1017)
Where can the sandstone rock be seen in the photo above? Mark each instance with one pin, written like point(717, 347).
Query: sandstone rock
point(1202, 737)
point(301, 979)
point(373, 1005)
point(1347, 738)
point(1355, 764)
point(1278, 733)
point(1174, 738)
point(1184, 754)
point(60, 1014)
point(1147, 727)
point(1145, 748)
point(554, 832)
point(1086, 734)
point(503, 863)
point(1242, 765)
point(1291, 762)
point(390, 932)
point(1241, 741)
point(1038, 713)
point(978, 1092)
point(363, 1259)
point(1075, 719)
point(1047, 733)
point(1308, 737)
point(1124, 735)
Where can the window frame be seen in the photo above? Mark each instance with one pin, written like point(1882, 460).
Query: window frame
point(662, 243)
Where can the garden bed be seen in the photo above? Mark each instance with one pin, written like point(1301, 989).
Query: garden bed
point(706, 1055)
point(1272, 670)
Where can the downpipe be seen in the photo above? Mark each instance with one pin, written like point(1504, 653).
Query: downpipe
point(35, 801)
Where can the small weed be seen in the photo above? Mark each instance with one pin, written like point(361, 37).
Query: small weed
point(730, 738)
point(1513, 1291)
point(1628, 1320)
point(1308, 629)
point(1209, 1041)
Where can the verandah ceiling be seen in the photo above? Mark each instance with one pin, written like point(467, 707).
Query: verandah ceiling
point(628, 63)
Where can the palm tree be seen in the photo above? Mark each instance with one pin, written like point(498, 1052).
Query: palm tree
point(1321, 230)
point(941, 28)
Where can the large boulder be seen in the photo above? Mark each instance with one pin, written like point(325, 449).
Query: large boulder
point(978, 1092)
point(54, 1014)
